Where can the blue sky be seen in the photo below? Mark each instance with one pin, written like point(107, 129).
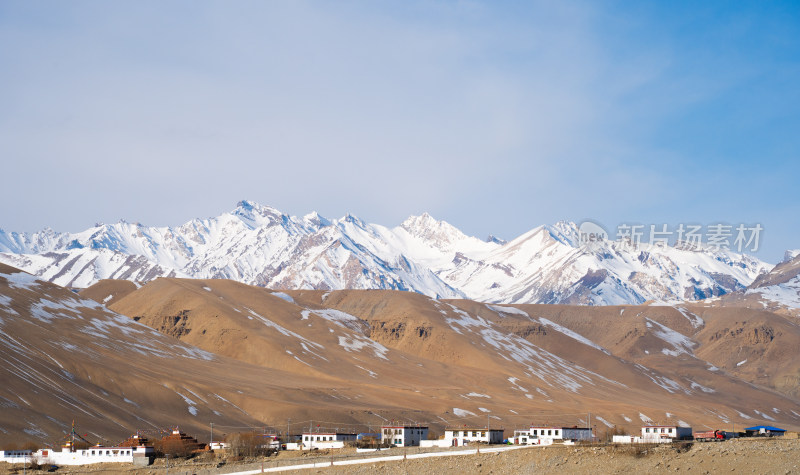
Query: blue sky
point(494, 116)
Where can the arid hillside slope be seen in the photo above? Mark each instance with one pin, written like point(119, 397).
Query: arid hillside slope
point(467, 361)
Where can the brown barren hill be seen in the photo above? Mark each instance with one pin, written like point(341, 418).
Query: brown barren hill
point(64, 359)
point(470, 362)
point(240, 355)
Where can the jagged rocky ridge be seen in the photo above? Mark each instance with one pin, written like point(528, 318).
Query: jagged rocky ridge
point(259, 245)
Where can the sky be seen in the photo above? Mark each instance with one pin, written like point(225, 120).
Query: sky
point(494, 116)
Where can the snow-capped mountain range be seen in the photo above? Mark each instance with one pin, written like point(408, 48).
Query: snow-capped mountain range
point(259, 245)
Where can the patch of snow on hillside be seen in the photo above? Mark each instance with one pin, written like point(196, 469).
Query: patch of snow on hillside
point(284, 296)
point(478, 395)
point(763, 415)
point(110, 296)
point(645, 419)
point(741, 363)
point(358, 343)
point(699, 386)
point(483, 409)
point(607, 424)
point(20, 280)
point(342, 319)
point(515, 385)
point(574, 335)
point(743, 416)
point(627, 419)
point(548, 367)
point(462, 412)
point(680, 343)
point(284, 331)
point(669, 385)
point(190, 404)
point(507, 310)
point(695, 320)
point(787, 294)
point(372, 374)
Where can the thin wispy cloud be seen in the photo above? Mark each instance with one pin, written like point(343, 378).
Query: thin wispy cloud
point(494, 116)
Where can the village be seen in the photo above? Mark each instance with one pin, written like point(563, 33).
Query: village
point(139, 450)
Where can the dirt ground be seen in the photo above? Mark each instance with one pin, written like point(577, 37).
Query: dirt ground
point(775, 456)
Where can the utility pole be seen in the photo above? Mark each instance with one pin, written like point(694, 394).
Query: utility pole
point(211, 442)
point(289, 420)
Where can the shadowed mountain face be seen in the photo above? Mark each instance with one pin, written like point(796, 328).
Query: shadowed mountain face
point(776, 291)
point(190, 352)
point(261, 246)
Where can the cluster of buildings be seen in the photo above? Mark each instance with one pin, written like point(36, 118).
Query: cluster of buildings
point(141, 455)
point(139, 451)
point(417, 436)
point(136, 449)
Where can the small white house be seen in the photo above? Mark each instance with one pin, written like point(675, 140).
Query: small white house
point(654, 433)
point(15, 456)
point(142, 455)
point(324, 440)
point(404, 436)
point(545, 435)
point(467, 435)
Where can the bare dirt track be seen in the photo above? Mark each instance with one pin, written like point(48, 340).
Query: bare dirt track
point(778, 455)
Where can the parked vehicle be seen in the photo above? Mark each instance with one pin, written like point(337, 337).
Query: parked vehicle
point(710, 435)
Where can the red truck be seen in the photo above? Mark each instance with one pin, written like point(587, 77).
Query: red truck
point(710, 435)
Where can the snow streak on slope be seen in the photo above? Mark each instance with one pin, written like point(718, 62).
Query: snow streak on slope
point(260, 245)
point(787, 294)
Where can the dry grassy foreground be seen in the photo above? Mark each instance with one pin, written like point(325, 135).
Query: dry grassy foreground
point(774, 456)
point(743, 456)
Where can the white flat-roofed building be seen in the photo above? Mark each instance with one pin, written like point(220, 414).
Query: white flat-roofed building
point(545, 435)
point(467, 435)
point(404, 436)
point(666, 432)
point(325, 440)
point(141, 455)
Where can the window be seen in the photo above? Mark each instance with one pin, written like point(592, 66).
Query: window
point(549, 431)
point(474, 433)
point(556, 431)
point(535, 431)
point(483, 434)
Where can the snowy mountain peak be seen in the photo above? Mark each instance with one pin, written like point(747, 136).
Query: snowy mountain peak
point(790, 254)
point(495, 240)
point(259, 245)
point(565, 232)
point(255, 215)
point(439, 234)
point(315, 220)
